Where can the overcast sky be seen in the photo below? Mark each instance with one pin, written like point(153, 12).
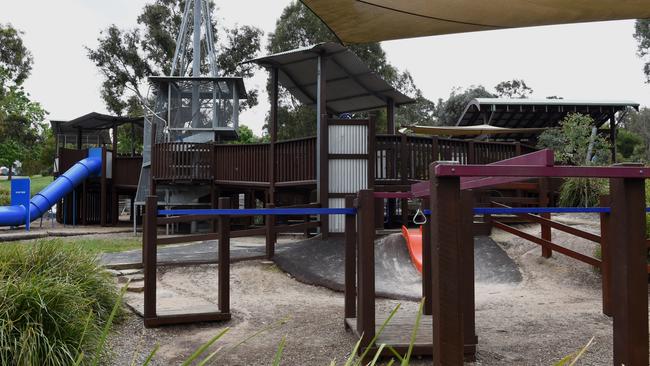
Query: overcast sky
point(583, 61)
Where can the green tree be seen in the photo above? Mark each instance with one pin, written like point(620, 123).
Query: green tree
point(299, 27)
point(126, 57)
point(638, 122)
point(21, 118)
point(574, 143)
point(629, 146)
point(247, 136)
point(642, 35)
point(571, 142)
point(515, 88)
point(10, 152)
point(449, 111)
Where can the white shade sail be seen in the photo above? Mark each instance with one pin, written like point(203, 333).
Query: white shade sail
point(360, 21)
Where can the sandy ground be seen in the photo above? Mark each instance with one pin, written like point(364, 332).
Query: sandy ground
point(553, 312)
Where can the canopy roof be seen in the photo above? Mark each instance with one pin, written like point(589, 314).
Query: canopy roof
point(93, 121)
point(535, 113)
point(351, 86)
point(361, 21)
point(468, 130)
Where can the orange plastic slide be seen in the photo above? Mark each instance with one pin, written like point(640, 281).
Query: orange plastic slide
point(414, 244)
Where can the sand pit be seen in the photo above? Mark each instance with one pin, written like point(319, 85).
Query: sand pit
point(552, 312)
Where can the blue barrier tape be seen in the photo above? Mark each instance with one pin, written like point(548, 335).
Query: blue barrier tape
point(261, 211)
point(536, 210)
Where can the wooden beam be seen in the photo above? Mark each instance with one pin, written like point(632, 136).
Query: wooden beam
point(629, 271)
point(273, 132)
point(323, 143)
point(366, 267)
point(390, 117)
point(224, 257)
point(447, 276)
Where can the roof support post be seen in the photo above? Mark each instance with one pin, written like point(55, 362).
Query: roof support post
point(322, 138)
point(273, 132)
point(132, 139)
point(390, 116)
point(612, 134)
point(79, 136)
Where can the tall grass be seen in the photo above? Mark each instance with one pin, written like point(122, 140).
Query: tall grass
point(54, 302)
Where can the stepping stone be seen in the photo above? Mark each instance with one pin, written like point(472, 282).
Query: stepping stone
point(136, 287)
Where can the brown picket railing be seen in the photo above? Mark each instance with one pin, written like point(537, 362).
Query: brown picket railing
point(399, 158)
point(182, 161)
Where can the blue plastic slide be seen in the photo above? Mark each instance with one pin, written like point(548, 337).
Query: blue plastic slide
point(50, 195)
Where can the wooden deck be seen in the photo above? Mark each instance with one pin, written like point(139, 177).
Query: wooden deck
point(398, 332)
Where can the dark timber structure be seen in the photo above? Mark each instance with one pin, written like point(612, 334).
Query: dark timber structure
point(97, 200)
point(542, 113)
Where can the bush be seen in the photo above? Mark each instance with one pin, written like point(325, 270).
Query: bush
point(53, 303)
point(5, 197)
point(582, 192)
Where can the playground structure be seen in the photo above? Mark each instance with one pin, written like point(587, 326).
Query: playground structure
point(23, 210)
point(447, 330)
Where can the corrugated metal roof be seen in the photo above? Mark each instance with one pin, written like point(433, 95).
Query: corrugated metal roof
point(93, 121)
point(351, 86)
point(565, 102)
point(536, 113)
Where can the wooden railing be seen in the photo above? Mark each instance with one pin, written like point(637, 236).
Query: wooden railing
point(182, 161)
point(295, 160)
point(400, 158)
point(241, 163)
point(404, 158)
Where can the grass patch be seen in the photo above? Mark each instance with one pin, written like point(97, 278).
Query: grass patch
point(38, 182)
point(54, 301)
point(91, 245)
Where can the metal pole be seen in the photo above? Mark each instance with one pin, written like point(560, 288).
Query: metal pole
point(196, 63)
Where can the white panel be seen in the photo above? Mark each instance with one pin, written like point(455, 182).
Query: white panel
point(348, 175)
point(109, 164)
point(337, 222)
point(351, 139)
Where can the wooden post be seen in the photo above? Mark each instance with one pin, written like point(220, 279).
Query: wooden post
point(323, 144)
point(471, 156)
point(629, 271)
point(350, 261)
point(390, 116)
point(273, 132)
point(271, 235)
point(447, 314)
point(606, 258)
point(404, 158)
point(224, 257)
point(115, 197)
point(104, 191)
point(149, 234)
point(366, 267)
point(545, 229)
point(427, 270)
point(466, 237)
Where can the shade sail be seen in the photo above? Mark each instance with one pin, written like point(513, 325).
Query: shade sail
point(360, 21)
point(468, 130)
point(350, 85)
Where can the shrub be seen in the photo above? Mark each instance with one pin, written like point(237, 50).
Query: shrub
point(53, 303)
point(582, 192)
point(5, 197)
